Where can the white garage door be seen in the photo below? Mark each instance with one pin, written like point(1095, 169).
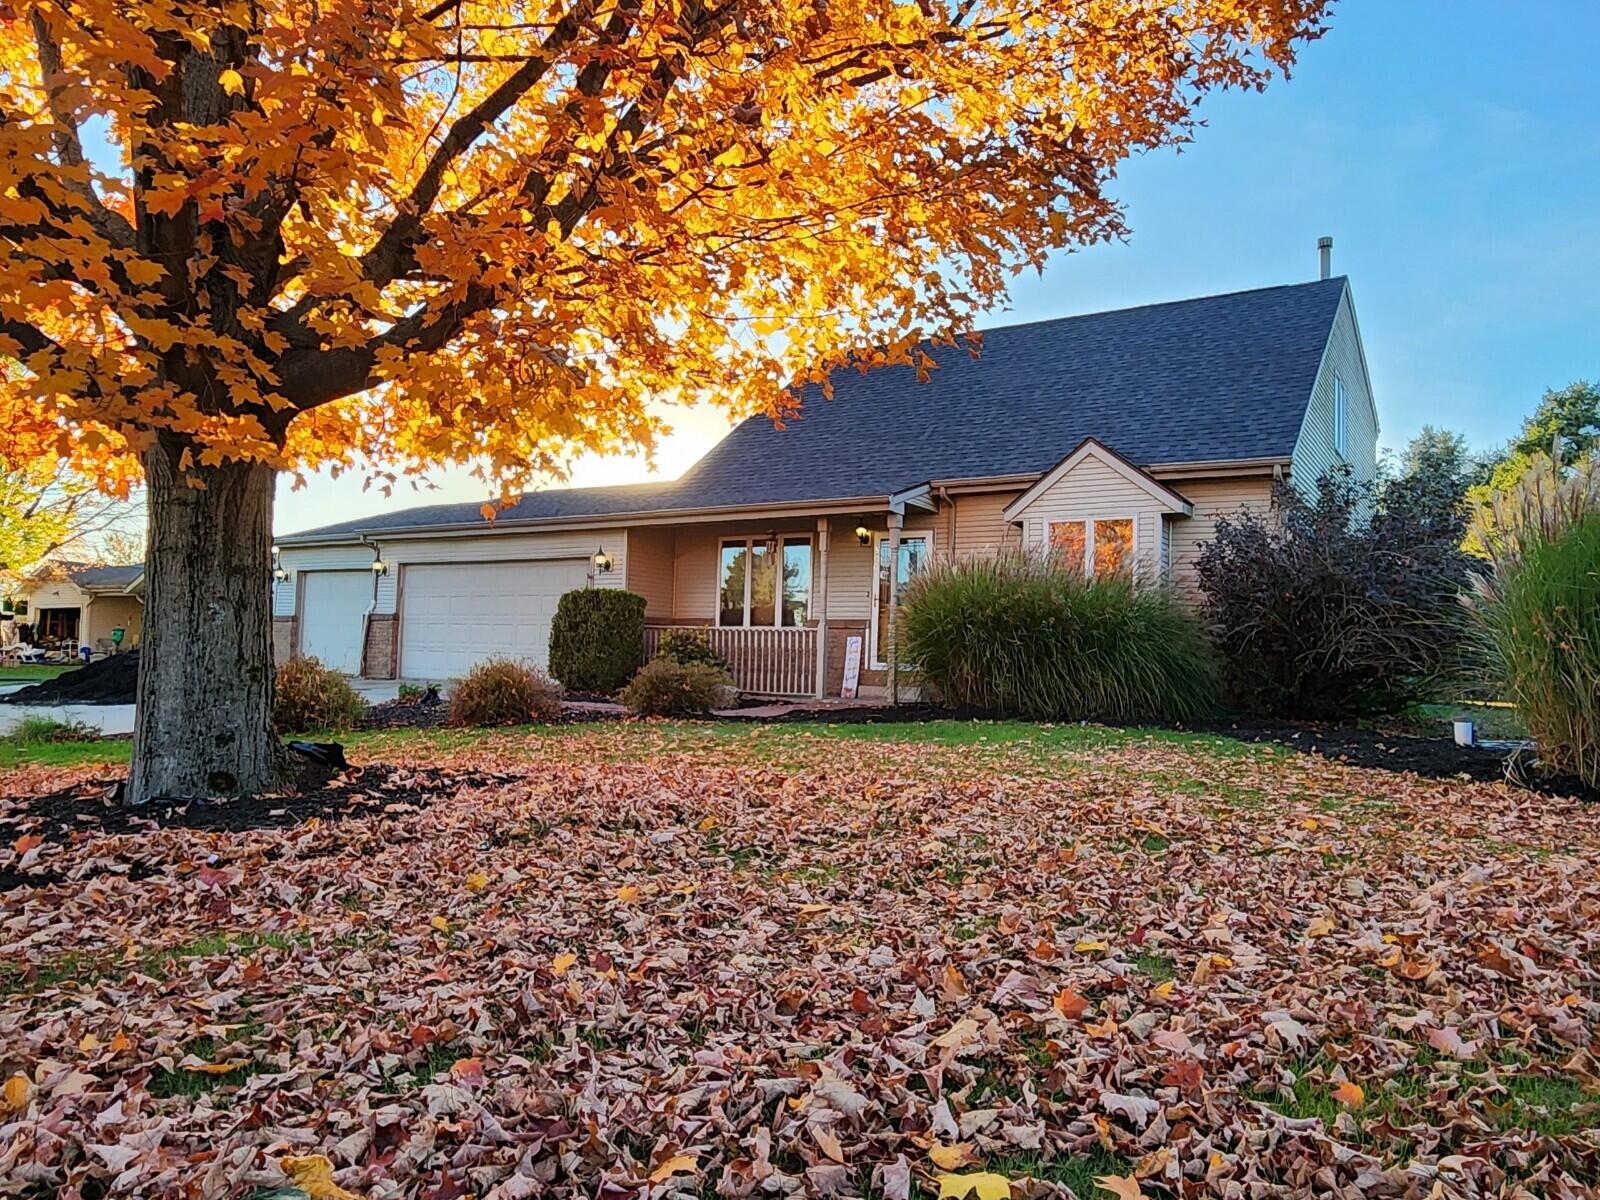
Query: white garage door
point(335, 605)
point(457, 614)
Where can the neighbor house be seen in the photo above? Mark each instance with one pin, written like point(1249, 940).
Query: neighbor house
point(79, 604)
point(1119, 436)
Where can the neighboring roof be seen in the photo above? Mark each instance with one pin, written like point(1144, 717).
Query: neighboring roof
point(1220, 378)
point(96, 578)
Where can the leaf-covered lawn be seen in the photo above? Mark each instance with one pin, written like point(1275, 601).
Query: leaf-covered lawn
point(774, 961)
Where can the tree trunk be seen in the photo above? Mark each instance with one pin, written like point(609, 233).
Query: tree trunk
point(204, 719)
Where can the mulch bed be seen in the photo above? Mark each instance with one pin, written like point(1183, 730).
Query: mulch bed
point(404, 714)
point(1430, 757)
point(113, 680)
point(93, 806)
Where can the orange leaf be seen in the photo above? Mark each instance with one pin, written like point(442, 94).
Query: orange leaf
point(676, 1165)
point(1071, 1005)
point(1349, 1094)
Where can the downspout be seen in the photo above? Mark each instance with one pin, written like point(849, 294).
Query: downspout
point(366, 617)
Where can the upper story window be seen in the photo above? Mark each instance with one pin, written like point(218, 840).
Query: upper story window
point(1341, 418)
point(1101, 546)
point(765, 582)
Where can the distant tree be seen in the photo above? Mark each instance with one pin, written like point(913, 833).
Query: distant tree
point(45, 509)
point(1439, 467)
point(1571, 413)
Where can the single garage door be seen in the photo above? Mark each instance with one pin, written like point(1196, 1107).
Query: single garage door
point(453, 615)
point(335, 605)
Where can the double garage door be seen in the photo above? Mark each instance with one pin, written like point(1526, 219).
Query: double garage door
point(457, 614)
point(452, 615)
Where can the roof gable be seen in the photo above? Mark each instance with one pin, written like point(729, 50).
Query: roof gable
point(1089, 448)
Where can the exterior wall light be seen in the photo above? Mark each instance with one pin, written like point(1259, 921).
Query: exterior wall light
point(379, 567)
point(863, 535)
point(601, 561)
point(280, 574)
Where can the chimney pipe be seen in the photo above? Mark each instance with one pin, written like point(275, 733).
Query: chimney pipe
point(1325, 254)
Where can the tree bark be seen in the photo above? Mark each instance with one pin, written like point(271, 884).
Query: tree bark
point(204, 719)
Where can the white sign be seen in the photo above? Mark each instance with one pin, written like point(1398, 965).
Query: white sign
point(852, 667)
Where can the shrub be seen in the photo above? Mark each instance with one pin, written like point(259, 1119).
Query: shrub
point(686, 648)
point(1542, 621)
point(1342, 605)
point(411, 693)
point(597, 639)
point(36, 730)
point(312, 696)
point(1027, 636)
point(501, 691)
point(664, 688)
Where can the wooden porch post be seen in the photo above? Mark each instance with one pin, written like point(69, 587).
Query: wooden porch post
point(819, 597)
point(893, 657)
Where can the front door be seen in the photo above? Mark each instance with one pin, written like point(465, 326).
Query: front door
point(915, 551)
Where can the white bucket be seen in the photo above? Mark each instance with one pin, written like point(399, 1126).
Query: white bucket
point(1464, 731)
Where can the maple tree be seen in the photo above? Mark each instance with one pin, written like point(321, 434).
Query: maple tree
point(365, 231)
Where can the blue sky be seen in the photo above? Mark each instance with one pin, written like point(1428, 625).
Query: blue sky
point(1450, 147)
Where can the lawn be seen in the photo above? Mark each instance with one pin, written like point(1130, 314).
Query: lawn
point(733, 960)
point(31, 673)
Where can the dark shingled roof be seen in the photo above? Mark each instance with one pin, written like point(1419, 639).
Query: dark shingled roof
point(1216, 378)
point(103, 577)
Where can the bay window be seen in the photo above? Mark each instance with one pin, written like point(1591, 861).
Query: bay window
point(1096, 546)
point(764, 582)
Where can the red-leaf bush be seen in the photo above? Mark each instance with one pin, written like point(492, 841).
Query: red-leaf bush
point(1343, 604)
point(311, 696)
point(502, 691)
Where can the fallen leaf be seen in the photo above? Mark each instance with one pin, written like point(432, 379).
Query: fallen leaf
point(477, 881)
point(949, 1158)
point(1123, 1187)
point(1350, 1094)
point(313, 1175)
point(562, 963)
point(1070, 1005)
point(986, 1185)
point(678, 1164)
point(14, 1095)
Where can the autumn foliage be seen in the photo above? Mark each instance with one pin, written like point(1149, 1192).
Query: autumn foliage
point(238, 239)
point(232, 223)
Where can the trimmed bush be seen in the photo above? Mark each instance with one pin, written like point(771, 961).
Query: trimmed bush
point(597, 639)
point(664, 688)
point(1542, 620)
point(311, 696)
point(1343, 605)
point(1027, 636)
point(502, 691)
point(686, 648)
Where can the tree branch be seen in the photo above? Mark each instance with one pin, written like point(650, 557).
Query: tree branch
point(68, 143)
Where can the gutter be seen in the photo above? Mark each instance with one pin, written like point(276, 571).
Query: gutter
point(605, 521)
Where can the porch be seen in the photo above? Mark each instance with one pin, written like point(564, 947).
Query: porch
point(763, 662)
point(798, 606)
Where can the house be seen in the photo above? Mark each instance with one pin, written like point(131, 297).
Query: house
point(1121, 435)
point(79, 604)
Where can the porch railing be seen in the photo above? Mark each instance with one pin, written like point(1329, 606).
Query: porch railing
point(766, 662)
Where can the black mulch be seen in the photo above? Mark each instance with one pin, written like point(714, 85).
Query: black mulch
point(404, 714)
point(1430, 757)
point(112, 680)
point(93, 807)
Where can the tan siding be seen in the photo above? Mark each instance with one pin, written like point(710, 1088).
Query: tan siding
point(107, 612)
point(650, 573)
point(850, 574)
point(980, 526)
point(1093, 489)
point(695, 575)
point(1314, 453)
point(1212, 498)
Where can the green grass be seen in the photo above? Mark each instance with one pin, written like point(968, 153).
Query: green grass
point(30, 673)
point(1489, 720)
point(1076, 1171)
point(600, 741)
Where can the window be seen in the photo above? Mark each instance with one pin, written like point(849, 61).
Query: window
point(1102, 546)
point(914, 551)
point(1341, 418)
point(748, 591)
